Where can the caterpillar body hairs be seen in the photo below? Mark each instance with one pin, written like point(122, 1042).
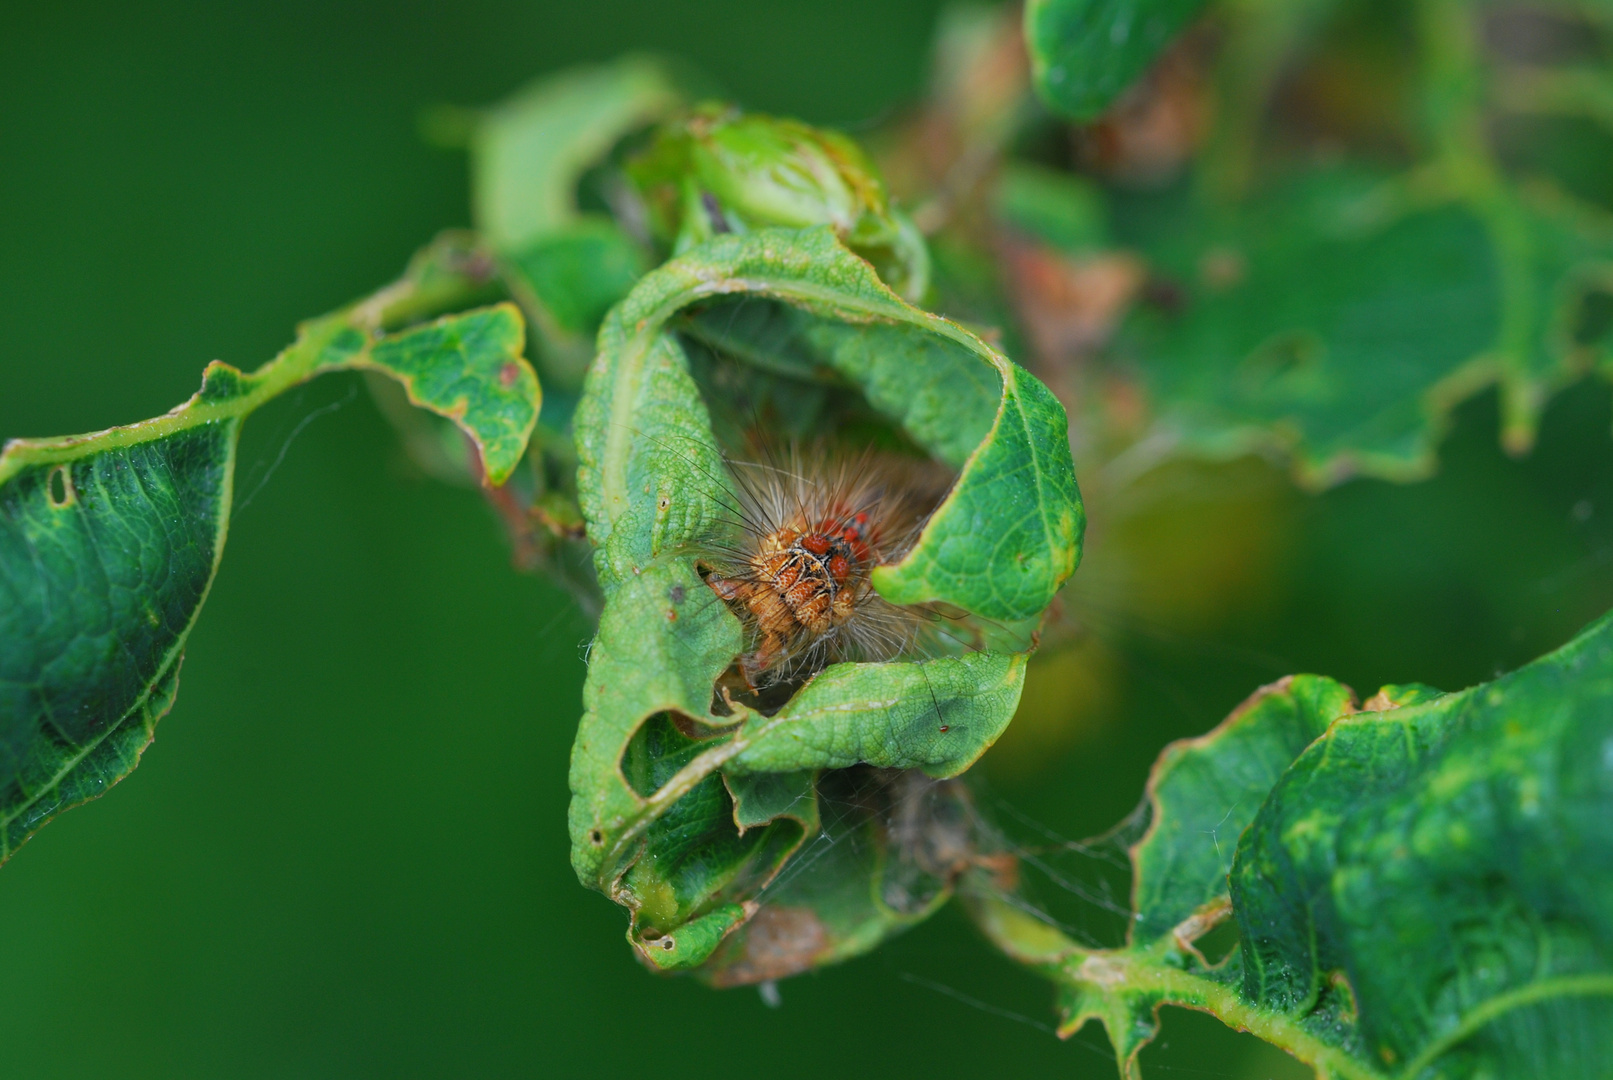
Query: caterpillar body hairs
point(812, 526)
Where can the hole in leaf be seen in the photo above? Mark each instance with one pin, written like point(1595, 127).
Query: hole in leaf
point(1219, 942)
point(664, 744)
point(59, 487)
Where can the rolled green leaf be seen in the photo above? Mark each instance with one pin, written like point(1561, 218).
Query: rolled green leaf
point(674, 828)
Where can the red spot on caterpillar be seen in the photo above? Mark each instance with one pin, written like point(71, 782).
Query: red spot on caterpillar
point(814, 526)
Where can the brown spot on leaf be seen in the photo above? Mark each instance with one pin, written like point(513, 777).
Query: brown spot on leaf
point(777, 943)
point(510, 372)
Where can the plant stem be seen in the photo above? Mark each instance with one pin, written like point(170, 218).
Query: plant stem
point(1145, 976)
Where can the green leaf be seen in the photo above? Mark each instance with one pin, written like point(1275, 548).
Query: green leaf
point(1204, 792)
point(1557, 258)
point(1446, 867)
point(675, 830)
point(884, 715)
point(104, 560)
point(468, 368)
point(1085, 53)
point(529, 154)
point(109, 542)
point(1059, 208)
point(577, 273)
point(1420, 886)
point(1332, 315)
point(1336, 322)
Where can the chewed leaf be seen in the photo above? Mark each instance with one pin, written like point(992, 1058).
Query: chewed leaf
point(1314, 327)
point(1421, 885)
point(638, 667)
point(1205, 791)
point(1085, 53)
point(691, 944)
point(1131, 1021)
point(761, 797)
point(469, 369)
point(109, 542)
point(861, 881)
point(1337, 319)
point(654, 487)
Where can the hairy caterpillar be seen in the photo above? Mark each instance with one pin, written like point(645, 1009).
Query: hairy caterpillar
point(812, 525)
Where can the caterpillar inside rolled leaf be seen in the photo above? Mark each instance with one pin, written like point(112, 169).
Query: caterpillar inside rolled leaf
point(811, 527)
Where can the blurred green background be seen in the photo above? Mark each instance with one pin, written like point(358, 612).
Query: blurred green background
point(345, 855)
